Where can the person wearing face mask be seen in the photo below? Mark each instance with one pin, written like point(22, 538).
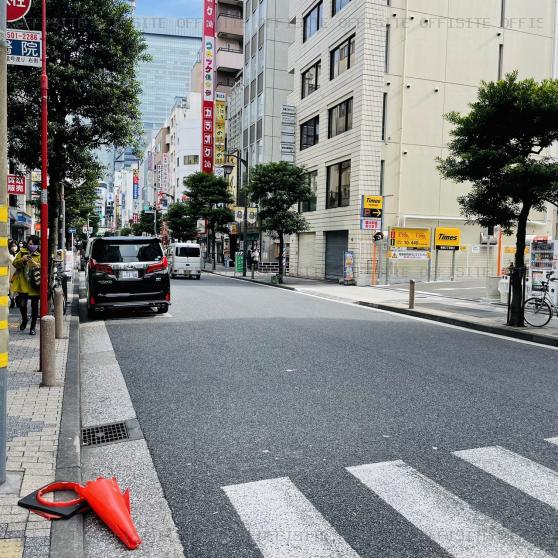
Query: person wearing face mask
point(27, 281)
point(13, 249)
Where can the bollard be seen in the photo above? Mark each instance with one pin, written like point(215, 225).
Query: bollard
point(59, 312)
point(412, 284)
point(48, 351)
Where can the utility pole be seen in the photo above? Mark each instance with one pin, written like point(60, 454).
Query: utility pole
point(4, 222)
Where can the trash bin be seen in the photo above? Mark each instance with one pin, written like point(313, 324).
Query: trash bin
point(275, 279)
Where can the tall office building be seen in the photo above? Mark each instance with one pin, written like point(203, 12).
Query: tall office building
point(372, 83)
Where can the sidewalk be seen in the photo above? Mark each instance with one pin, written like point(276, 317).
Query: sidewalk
point(33, 425)
point(482, 316)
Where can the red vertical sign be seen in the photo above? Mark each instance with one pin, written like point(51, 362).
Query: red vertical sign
point(208, 105)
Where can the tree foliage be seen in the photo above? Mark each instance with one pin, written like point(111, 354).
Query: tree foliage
point(93, 50)
point(278, 189)
point(499, 147)
point(181, 222)
point(146, 224)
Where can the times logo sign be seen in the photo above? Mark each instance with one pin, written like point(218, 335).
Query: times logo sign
point(17, 9)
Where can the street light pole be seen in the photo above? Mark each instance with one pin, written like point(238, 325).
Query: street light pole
point(44, 171)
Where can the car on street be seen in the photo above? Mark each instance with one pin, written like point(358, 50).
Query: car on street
point(127, 272)
point(185, 260)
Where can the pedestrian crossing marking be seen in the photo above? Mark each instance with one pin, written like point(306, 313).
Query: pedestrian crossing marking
point(449, 521)
point(552, 441)
point(283, 523)
point(533, 479)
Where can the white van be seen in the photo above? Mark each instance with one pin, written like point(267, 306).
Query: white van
point(185, 260)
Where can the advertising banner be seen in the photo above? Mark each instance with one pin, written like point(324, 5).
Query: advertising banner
point(16, 184)
point(220, 131)
point(208, 105)
point(348, 267)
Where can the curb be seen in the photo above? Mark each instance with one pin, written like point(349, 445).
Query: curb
point(67, 536)
point(497, 330)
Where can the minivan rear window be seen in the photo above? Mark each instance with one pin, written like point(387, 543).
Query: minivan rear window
point(115, 251)
point(187, 252)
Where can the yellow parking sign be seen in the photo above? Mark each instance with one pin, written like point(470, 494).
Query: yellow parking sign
point(448, 238)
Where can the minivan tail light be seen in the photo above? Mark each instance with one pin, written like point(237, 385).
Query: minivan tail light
point(167, 297)
point(103, 268)
point(161, 266)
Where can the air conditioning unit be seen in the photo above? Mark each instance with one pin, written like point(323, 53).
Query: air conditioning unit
point(488, 235)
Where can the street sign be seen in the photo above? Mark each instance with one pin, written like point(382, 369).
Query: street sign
point(372, 202)
point(409, 255)
point(17, 9)
point(24, 48)
point(71, 231)
point(448, 238)
point(371, 224)
point(239, 262)
point(418, 239)
point(16, 184)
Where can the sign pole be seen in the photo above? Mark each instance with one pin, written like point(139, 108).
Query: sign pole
point(387, 255)
point(453, 265)
point(44, 171)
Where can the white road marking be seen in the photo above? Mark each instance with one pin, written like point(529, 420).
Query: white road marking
point(552, 441)
point(283, 523)
point(532, 478)
point(449, 521)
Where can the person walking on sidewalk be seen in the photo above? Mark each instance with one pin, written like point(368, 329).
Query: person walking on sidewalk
point(13, 249)
point(27, 281)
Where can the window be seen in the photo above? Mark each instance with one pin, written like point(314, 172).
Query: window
point(127, 251)
point(310, 205)
point(500, 62)
point(338, 5)
point(260, 83)
point(261, 36)
point(254, 46)
point(343, 57)
point(313, 21)
point(191, 159)
point(382, 176)
point(341, 118)
point(310, 133)
point(384, 117)
point(178, 161)
point(311, 79)
point(338, 189)
point(388, 39)
point(187, 252)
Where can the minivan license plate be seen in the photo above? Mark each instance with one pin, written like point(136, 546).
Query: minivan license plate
point(129, 274)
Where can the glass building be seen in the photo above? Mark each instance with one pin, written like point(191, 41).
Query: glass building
point(174, 46)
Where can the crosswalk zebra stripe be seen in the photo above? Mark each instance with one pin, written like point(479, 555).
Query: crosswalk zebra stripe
point(553, 441)
point(283, 523)
point(518, 471)
point(449, 521)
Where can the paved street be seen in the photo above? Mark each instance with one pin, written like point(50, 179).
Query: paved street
point(283, 425)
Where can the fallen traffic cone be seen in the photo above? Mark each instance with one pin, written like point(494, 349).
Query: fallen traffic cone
point(112, 507)
point(36, 503)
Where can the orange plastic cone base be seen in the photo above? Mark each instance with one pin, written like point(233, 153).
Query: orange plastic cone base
point(113, 508)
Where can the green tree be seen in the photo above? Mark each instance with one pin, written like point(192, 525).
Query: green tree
point(210, 199)
point(146, 225)
point(498, 147)
point(181, 222)
point(93, 52)
point(278, 189)
point(125, 231)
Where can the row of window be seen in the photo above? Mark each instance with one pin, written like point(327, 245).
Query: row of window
point(189, 160)
point(341, 59)
point(340, 121)
point(338, 187)
point(314, 19)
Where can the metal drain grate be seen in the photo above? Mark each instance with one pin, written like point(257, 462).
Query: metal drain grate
point(107, 434)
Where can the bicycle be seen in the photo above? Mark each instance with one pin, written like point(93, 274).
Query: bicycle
point(539, 310)
point(58, 279)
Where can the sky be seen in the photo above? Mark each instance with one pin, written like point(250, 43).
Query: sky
point(169, 8)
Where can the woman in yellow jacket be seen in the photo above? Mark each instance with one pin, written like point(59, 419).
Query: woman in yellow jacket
point(26, 263)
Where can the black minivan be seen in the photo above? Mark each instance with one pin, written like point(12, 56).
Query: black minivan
point(127, 272)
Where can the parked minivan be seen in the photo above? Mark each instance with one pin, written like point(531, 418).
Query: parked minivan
point(185, 260)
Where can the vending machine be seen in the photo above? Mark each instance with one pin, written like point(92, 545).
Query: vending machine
point(543, 260)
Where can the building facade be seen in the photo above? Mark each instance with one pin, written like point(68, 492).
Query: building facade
point(372, 83)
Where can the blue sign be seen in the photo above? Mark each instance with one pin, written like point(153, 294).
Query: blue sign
point(24, 47)
point(136, 191)
point(71, 231)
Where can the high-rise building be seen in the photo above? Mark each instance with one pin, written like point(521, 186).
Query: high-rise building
point(372, 83)
point(230, 40)
point(173, 45)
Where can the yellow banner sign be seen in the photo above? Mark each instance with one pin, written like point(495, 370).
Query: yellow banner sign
point(448, 238)
point(410, 238)
point(373, 202)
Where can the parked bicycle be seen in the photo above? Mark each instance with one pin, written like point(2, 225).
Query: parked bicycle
point(58, 279)
point(540, 309)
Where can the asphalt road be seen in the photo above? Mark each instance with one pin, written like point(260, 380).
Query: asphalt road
point(246, 383)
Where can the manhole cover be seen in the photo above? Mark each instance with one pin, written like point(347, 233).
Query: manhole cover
point(106, 434)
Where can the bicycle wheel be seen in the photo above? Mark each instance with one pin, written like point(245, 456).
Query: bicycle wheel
point(537, 312)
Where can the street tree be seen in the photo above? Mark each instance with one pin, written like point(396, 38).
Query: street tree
point(210, 199)
point(93, 53)
point(278, 189)
point(125, 231)
point(499, 148)
point(181, 222)
point(146, 224)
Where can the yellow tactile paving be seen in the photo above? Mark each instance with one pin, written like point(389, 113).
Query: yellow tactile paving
point(11, 548)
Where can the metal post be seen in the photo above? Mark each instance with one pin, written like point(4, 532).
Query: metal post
point(59, 313)
point(412, 289)
point(44, 173)
point(4, 259)
point(387, 255)
point(245, 236)
point(436, 268)
point(63, 219)
point(48, 354)
point(453, 265)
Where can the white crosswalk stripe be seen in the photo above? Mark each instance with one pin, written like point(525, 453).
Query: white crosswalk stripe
point(553, 441)
point(445, 518)
point(518, 471)
point(283, 523)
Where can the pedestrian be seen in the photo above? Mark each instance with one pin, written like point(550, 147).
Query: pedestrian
point(255, 257)
point(27, 281)
point(13, 249)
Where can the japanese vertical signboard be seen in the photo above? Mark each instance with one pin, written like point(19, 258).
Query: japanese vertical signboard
point(220, 118)
point(288, 131)
point(136, 185)
point(24, 47)
point(16, 184)
point(208, 106)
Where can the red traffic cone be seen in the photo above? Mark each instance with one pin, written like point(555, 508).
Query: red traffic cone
point(113, 508)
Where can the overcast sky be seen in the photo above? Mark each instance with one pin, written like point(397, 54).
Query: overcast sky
point(169, 8)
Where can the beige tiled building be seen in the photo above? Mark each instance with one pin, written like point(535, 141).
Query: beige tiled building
point(370, 119)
